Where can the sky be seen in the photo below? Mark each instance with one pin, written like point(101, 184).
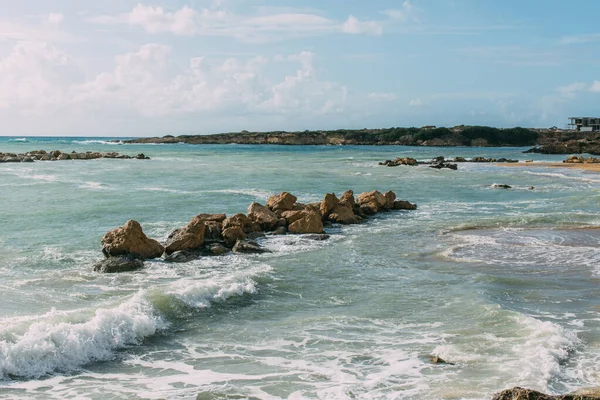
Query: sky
point(158, 67)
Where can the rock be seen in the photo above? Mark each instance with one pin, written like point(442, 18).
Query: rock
point(348, 198)
point(27, 159)
point(390, 197)
point(438, 360)
point(248, 247)
point(255, 235)
point(317, 236)
point(280, 230)
point(190, 237)
point(281, 202)
point(263, 216)
point(292, 216)
point(371, 202)
point(591, 391)
point(328, 204)
point(518, 393)
point(343, 214)
point(233, 234)
point(217, 249)
point(130, 240)
point(400, 161)
point(243, 222)
point(404, 205)
point(501, 186)
point(574, 160)
point(118, 264)
point(142, 156)
point(213, 231)
point(213, 217)
point(309, 222)
point(444, 165)
point(64, 156)
point(183, 256)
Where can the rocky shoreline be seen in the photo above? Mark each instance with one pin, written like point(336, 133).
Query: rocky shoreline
point(441, 162)
point(518, 393)
point(127, 247)
point(57, 155)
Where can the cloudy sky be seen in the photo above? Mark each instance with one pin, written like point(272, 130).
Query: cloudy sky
point(156, 67)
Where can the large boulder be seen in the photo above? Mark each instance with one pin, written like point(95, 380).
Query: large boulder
point(390, 197)
point(263, 216)
point(243, 222)
point(232, 234)
point(309, 221)
point(118, 264)
point(371, 202)
point(343, 214)
point(130, 240)
point(347, 198)
point(518, 393)
point(190, 237)
point(213, 231)
point(281, 202)
point(328, 204)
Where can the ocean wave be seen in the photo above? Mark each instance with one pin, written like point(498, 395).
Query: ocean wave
point(49, 346)
point(96, 141)
point(18, 140)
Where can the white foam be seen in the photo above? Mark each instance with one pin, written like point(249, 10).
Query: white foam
point(97, 142)
point(50, 346)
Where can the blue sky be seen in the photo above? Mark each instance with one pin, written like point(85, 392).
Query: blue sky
point(131, 68)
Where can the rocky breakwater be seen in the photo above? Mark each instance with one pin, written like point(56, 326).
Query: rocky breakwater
point(57, 155)
point(127, 247)
point(582, 160)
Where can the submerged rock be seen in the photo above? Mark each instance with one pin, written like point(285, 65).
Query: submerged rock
point(183, 256)
point(118, 264)
point(248, 247)
point(130, 240)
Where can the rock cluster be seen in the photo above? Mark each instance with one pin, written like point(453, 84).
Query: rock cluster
point(57, 155)
point(518, 393)
point(582, 160)
point(441, 162)
point(214, 234)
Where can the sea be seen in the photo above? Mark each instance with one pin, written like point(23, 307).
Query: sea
point(503, 285)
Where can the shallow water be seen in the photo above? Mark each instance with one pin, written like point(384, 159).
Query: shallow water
point(502, 283)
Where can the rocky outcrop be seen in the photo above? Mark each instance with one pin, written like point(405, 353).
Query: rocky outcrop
point(371, 202)
point(118, 264)
point(190, 237)
point(440, 162)
point(306, 221)
point(400, 161)
point(281, 203)
point(519, 393)
point(215, 234)
point(263, 216)
point(130, 240)
point(57, 155)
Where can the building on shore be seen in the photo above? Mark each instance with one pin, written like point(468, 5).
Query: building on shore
point(584, 124)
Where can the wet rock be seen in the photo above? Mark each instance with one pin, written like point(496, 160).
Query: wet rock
point(453, 167)
point(404, 205)
point(118, 264)
point(183, 256)
point(263, 216)
point(248, 247)
point(130, 240)
point(217, 249)
point(243, 222)
point(328, 204)
point(317, 237)
point(255, 235)
point(371, 202)
point(232, 234)
point(142, 156)
point(400, 161)
point(519, 393)
point(309, 221)
point(438, 360)
point(280, 230)
point(500, 186)
point(281, 202)
point(213, 231)
point(390, 197)
point(189, 237)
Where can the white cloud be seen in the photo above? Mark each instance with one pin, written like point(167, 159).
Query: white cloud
point(56, 18)
point(408, 12)
point(218, 22)
point(42, 32)
point(416, 103)
point(354, 26)
point(35, 77)
point(595, 87)
point(382, 96)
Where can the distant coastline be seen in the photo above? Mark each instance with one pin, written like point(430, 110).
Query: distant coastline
point(549, 141)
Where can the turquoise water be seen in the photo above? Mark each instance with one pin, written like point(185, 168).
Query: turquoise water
point(502, 283)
